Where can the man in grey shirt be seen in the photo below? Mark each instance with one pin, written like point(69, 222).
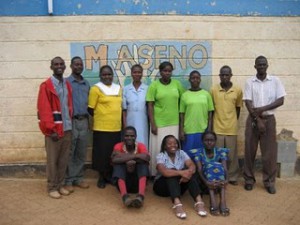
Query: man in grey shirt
point(80, 92)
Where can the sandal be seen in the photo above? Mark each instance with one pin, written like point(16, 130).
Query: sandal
point(225, 211)
point(214, 211)
point(180, 215)
point(199, 207)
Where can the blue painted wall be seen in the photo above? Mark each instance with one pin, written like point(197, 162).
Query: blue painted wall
point(151, 7)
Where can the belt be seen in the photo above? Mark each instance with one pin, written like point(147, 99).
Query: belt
point(266, 116)
point(81, 117)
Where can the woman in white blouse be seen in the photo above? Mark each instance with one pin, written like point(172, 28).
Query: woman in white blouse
point(176, 174)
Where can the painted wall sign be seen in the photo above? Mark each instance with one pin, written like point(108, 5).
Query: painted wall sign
point(185, 56)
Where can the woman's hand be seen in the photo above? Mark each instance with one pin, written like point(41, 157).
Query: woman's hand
point(181, 135)
point(154, 129)
point(186, 174)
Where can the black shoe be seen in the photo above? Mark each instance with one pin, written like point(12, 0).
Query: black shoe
point(101, 183)
point(233, 182)
point(248, 187)
point(271, 190)
point(127, 201)
point(138, 201)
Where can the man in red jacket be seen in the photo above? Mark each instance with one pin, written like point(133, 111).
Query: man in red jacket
point(55, 114)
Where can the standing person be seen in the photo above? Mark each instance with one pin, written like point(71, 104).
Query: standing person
point(196, 107)
point(80, 124)
point(212, 168)
point(134, 105)
point(263, 94)
point(228, 100)
point(163, 109)
point(176, 174)
point(105, 105)
point(55, 112)
point(130, 161)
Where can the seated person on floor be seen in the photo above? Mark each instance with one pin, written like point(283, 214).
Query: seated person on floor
point(130, 168)
point(211, 164)
point(176, 174)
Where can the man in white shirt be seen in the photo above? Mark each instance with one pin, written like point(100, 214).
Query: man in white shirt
point(262, 95)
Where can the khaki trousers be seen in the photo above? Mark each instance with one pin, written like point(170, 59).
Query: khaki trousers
point(57, 160)
point(230, 142)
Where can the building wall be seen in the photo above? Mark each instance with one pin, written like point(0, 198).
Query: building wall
point(29, 43)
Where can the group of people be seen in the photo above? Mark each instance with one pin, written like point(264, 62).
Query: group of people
point(192, 143)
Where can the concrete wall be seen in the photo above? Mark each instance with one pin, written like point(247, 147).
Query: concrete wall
point(29, 43)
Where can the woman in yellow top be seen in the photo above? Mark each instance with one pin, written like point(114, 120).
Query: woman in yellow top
point(105, 105)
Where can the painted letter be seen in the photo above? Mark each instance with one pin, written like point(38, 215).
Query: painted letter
point(175, 54)
point(145, 52)
point(203, 57)
point(91, 54)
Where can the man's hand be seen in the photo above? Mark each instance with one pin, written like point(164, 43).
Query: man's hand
point(54, 137)
point(130, 166)
point(261, 126)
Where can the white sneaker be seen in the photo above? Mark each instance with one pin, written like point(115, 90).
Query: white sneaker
point(54, 194)
point(64, 191)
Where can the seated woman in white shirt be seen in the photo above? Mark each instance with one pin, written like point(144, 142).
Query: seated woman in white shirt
point(176, 174)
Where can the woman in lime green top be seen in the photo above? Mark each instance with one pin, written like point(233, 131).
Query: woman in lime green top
point(105, 105)
point(163, 109)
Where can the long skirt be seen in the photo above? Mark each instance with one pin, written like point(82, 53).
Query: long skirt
point(103, 144)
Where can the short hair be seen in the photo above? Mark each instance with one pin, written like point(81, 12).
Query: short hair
point(74, 58)
point(207, 133)
point(56, 57)
point(260, 57)
point(164, 65)
point(196, 72)
point(129, 128)
point(226, 67)
point(164, 141)
point(136, 66)
point(104, 67)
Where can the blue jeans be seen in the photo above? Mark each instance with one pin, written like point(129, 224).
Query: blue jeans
point(75, 170)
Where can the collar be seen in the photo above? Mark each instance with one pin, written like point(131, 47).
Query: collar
point(268, 78)
point(113, 89)
point(56, 81)
point(125, 149)
point(142, 86)
point(72, 79)
point(222, 89)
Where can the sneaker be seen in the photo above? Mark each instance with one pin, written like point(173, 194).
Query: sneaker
point(82, 184)
point(138, 201)
point(54, 194)
point(64, 191)
point(127, 200)
point(69, 188)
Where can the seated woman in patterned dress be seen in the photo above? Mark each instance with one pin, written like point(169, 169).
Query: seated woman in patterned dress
point(211, 163)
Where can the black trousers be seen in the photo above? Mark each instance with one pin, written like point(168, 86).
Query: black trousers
point(170, 187)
